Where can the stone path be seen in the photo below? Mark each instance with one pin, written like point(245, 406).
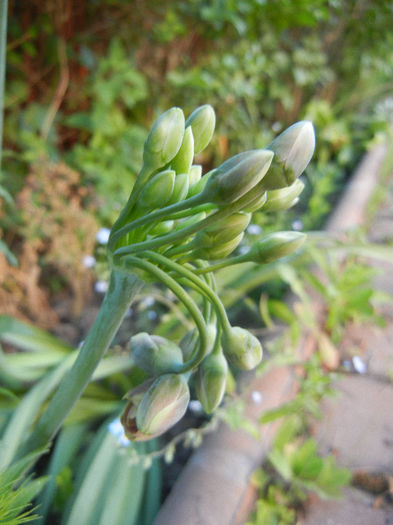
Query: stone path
point(357, 427)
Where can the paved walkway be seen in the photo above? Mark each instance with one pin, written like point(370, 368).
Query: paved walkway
point(357, 427)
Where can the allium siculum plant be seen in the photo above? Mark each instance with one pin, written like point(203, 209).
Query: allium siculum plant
point(177, 228)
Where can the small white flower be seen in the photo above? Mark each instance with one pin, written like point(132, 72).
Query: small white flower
point(359, 365)
point(101, 286)
point(276, 127)
point(257, 397)
point(254, 229)
point(297, 225)
point(88, 261)
point(152, 315)
point(148, 301)
point(102, 235)
point(244, 249)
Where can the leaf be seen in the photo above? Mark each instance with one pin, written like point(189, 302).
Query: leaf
point(29, 338)
point(27, 411)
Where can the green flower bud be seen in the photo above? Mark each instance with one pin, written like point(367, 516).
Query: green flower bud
point(184, 223)
point(157, 192)
point(293, 150)
point(195, 174)
point(284, 198)
point(199, 186)
point(242, 349)
point(155, 406)
point(257, 203)
point(222, 231)
point(275, 246)
point(162, 228)
point(163, 405)
point(180, 189)
point(237, 176)
point(154, 354)
point(217, 252)
point(164, 139)
point(183, 160)
point(203, 122)
point(211, 381)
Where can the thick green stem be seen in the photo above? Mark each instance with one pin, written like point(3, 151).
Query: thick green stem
point(122, 290)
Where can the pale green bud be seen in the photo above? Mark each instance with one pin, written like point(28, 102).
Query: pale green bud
point(163, 405)
point(164, 139)
point(293, 150)
point(157, 192)
point(184, 223)
point(275, 246)
point(222, 231)
point(199, 186)
point(155, 355)
point(189, 342)
point(242, 349)
point(162, 228)
point(203, 122)
point(217, 252)
point(236, 176)
point(257, 203)
point(284, 198)
point(195, 174)
point(183, 160)
point(211, 380)
point(180, 189)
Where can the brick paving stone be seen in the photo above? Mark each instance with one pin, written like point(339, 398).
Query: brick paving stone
point(355, 508)
point(358, 425)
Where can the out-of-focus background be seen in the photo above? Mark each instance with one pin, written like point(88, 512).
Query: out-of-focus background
point(85, 80)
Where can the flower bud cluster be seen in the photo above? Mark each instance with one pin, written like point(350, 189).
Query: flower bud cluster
point(175, 223)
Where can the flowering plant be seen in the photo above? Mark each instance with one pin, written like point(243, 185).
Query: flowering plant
point(177, 228)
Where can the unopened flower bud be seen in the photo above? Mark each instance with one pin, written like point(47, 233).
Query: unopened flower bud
point(219, 251)
point(202, 122)
point(164, 139)
point(195, 174)
point(155, 406)
point(293, 150)
point(275, 246)
point(211, 380)
point(154, 354)
point(180, 188)
point(162, 228)
point(257, 203)
point(158, 191)
point(163, 405)
point(181, 163)
point(283, 198)
point(237, 176)
point(199, 186)
point(222, 231)
point(242, 349)
point(184, 223)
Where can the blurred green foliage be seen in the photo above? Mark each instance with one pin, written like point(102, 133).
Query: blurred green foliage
point(262, 65)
